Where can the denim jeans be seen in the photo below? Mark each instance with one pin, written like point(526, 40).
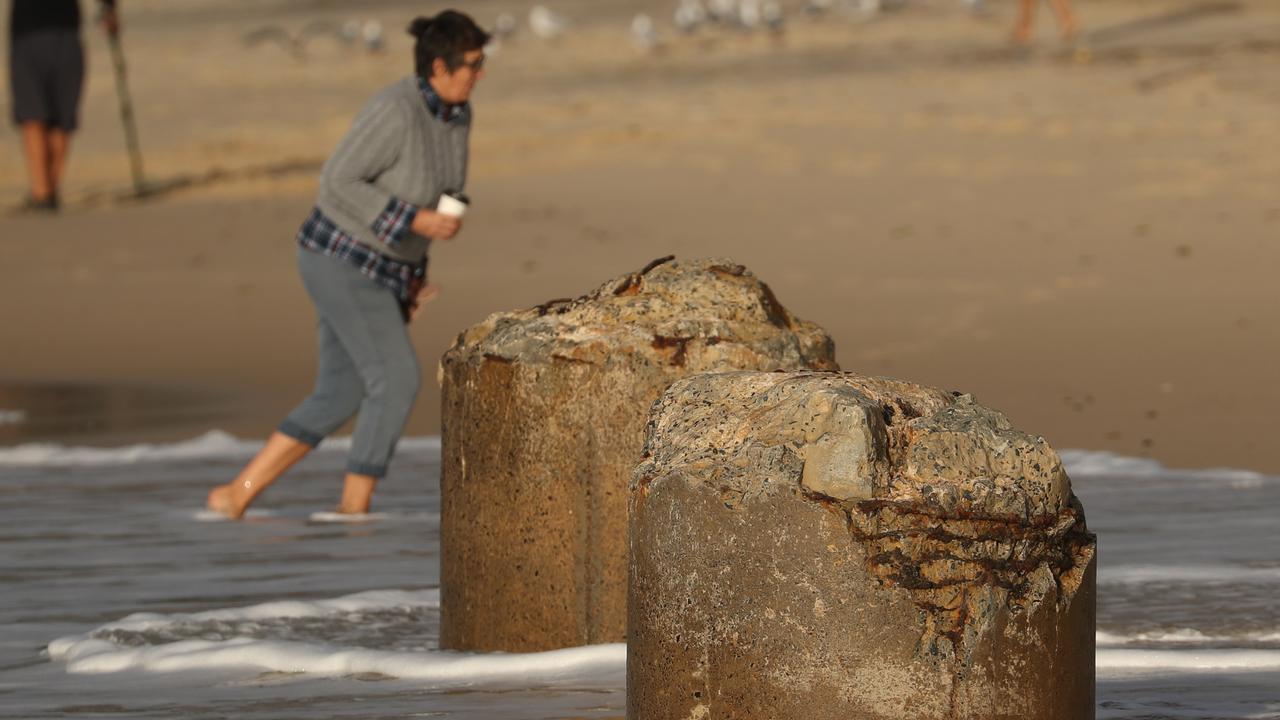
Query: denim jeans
point(367, 364)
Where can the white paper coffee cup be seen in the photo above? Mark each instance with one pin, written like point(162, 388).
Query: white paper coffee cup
point(451, 206)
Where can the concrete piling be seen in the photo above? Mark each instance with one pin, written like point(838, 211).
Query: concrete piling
point(543, 419)
point(814, 546)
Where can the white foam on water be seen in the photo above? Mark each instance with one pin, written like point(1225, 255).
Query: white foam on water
point(432, 667)
point(1189, 660)
point(359, 602)
point(337, 517)
point(214, 444)
point(93, 653)
point(1133, 574)
point(1188, 636)
point(1100, 462)
point(1087, 463)
point(215, 516)
point(12, 417)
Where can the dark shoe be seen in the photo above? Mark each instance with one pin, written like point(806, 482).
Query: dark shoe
point(47, 205)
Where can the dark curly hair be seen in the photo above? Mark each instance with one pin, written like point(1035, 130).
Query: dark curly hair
point(448, 36)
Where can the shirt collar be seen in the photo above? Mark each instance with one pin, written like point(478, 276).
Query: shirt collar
point(438, 108)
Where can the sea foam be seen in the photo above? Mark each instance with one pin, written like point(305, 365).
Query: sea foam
point(436, 667)
point(97, 652)
point(359, 602)
point(1203, 574)
point(1189, 660)
point(100, 651)
point(214, 444)
point(1090, 463)
point(1184, 636)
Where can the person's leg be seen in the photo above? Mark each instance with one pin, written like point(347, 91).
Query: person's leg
point(66, 86)
point(1066, 18)
point(29, 92)
point(371, 328)
point(357, 492)
point(338, 390)
point(279, 454)
point(336, 397)
point(59, 144)
point(391, 379)
point(1023, 26)
point(35, 147)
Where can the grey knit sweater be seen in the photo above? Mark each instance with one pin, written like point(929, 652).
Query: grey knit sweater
point(396, 148)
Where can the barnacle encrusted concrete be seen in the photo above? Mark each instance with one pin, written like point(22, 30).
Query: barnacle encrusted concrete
point(543, 421)
point(826, 545)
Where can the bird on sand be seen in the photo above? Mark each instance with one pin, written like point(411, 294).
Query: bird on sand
point(545, 23)
point(644, 34)
point(689, 16)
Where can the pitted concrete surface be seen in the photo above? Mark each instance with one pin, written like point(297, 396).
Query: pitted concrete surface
point(543, 422)
point(826, 545)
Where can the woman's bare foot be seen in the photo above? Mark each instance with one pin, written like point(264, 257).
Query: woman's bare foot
point(222, 500)
point(277, 455)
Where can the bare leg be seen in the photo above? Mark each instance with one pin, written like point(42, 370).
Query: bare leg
point(35, 145)
point(1026, 19)
point(59, 144)
point(1066, 18)
point(357, 492)
point(278, 455)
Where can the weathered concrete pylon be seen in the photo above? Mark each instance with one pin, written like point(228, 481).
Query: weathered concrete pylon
point(814, 546)
point(543, 422)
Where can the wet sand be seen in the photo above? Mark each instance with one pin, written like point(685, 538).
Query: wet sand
point(1084, 240)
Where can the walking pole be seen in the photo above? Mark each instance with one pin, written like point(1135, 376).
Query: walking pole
point(126, 113)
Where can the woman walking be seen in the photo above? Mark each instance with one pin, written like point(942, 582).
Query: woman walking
point(362, 256)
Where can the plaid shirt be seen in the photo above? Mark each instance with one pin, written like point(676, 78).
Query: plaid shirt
point(320, 234)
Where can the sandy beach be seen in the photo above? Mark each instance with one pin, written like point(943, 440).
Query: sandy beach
point(1082, 238)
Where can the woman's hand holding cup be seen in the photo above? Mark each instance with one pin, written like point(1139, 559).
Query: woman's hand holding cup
point(436, 225)
point(445, 221)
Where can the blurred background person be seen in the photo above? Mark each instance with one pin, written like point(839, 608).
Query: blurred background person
point(46, 75)
point(1027, 15)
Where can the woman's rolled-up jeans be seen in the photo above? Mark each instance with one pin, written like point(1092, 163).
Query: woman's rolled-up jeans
point(367, 364)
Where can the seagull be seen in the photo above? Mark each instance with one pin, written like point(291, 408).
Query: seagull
point(818, 7)
point(546, 24)
point(771, 13)
point(872, 7)
point(750, 14)
point(689, 15)
point(350, 32)
point(373, 40)
point(644, 33)
point(505, 25)
point(723, 11)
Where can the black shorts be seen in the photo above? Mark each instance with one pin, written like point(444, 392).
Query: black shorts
point(46, 73)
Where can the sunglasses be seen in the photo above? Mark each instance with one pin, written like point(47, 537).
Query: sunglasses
point(475, 65)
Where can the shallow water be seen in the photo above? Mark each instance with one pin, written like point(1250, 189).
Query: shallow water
point(122, 599)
